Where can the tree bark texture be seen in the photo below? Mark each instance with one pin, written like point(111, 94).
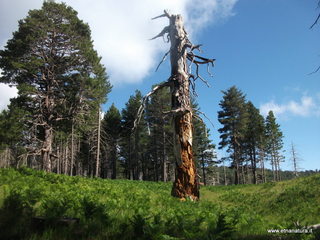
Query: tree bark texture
point(186, 184)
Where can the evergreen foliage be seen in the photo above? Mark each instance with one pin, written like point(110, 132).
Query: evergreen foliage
point(233, 118)
point(254, 137)
point(57, 72)
point(133, 143)
point(204, 150)
point(111, 125)
point(274, 143)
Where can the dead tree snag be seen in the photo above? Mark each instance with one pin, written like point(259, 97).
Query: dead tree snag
point(181, 54)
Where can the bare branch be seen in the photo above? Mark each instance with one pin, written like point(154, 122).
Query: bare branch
point(315, 22)
point(166, 14)
point(193, 85)
point(180, 110)
point(208, 70)
point(315, 71)
point(192, 56)
point(199, 76)
point(162, 33)
point(160, 16)
point(203, 114)
point(163, 59)
point(201, 120)
point(197, 47)
point(144, 100)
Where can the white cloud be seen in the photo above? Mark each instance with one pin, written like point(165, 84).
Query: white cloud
point(307, 106)
point(121, 29)
point(6, 93)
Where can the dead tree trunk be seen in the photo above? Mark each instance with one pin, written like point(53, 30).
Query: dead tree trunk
point(294, 159)
point(186, 184)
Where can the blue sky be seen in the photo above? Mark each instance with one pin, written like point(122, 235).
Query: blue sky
point(267, 50)
point(264, 47)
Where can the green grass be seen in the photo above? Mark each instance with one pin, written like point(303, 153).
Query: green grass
point(124, 209)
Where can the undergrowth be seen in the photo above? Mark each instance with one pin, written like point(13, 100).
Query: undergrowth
point(37, 205)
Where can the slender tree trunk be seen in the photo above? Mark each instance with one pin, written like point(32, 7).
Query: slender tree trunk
point(59, 158)
point(66, 158)
point(114, 161)
point(261, 155)
point(243, 174)
point(203, 170)
point(186, 184)
point(79, 169)
point(46, 150)
point(254, 166)
point(98, 145)
point(225, 175)
point(164, 156)
point(237, 170)
point(279, 170)
point(72, 148)
point(276, 168)
point(294, 160)
point(272, 167)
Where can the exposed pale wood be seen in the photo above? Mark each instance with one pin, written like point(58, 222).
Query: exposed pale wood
point(186, 183)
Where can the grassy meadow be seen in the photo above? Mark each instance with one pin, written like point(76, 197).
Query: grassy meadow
point(38, 205)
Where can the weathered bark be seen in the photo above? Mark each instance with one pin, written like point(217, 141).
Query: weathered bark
point(186, 184)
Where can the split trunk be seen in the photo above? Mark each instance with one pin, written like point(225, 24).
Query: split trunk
point(186, 184)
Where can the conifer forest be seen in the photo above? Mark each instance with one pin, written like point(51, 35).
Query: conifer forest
point(72, 169)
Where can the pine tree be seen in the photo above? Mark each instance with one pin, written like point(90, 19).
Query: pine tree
point(133, 143)
point(160, 131)
point(233, 117)
point(274, 144)
point(111, 125)
point(205, 157)
point(52, 61)
point(254, 137)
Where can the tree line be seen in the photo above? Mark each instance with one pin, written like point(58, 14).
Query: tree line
point(250, 140)
point(55, 123)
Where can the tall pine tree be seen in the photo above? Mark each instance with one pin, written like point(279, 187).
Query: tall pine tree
point(160, 128)
point(133, 143)
point(233, 117)
point(204, 155)
point(111, 125)
point(254, 137)
point(274, 144)
point(52, 61)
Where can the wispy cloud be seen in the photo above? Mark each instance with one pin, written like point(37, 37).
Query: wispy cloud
point(121, 29)
point(307, 106)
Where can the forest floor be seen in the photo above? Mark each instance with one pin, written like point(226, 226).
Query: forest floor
point(37, 205)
